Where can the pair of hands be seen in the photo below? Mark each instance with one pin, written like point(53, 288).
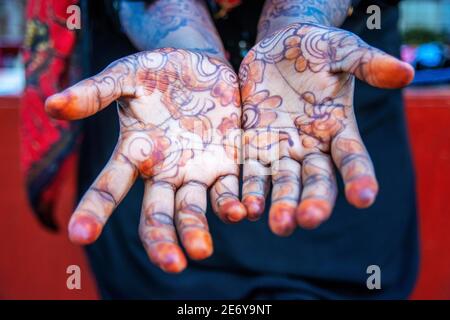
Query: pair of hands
point(181, 114)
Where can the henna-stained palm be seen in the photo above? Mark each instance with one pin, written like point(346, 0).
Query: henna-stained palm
point(297, 93)
point(177, 111)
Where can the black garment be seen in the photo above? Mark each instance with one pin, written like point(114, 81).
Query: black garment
point(249, 261)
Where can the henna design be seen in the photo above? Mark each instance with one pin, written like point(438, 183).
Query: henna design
point(297, 93)
point(179, 115)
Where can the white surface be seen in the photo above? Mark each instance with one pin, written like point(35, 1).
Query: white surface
point(12, 81)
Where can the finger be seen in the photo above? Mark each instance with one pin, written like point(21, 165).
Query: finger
point(319, 190)
point(285, 195)
point(254, 188)
point(371, 65)
point(353, 161)
point(157, 230)
point(91, 95)
point(225, 200)
point(191, 221)
point(101, 199)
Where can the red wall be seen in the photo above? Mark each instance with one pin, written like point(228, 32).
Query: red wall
point(33, 262)
point(428, 114)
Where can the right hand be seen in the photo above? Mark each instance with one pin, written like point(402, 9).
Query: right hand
point(177, 109)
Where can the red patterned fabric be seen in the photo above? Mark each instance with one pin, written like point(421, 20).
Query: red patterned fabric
point(228, 3)
point(225, 7)
point(45, 143)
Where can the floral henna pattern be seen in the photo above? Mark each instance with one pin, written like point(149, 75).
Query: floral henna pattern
point(297, 94)
point(179, 115)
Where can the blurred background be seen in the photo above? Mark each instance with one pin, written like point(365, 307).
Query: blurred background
point(33, 261)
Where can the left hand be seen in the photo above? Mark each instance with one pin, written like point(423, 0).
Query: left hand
point(297, 93)
point(179, 114)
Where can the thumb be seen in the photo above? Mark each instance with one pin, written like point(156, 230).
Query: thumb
point(91, 95)
point(373, 66)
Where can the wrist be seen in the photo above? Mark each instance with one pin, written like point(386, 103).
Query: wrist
point(279, 14)
point(283, 30)
point(170, 23)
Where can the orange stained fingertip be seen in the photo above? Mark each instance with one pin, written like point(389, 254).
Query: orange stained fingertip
point(312, 212)
point(168, 256)
point(361, 192)
point(282, 219)
point(84, 229)
point(233, 211)
point(62, 106)
point(390, 72)
point(255, 206)
point(198, 243)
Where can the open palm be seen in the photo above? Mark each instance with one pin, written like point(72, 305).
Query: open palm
point(178, 112)
point(297, 92)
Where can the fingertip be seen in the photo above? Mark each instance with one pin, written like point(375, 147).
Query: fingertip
point(362, 192)
point(389, 72)
point(198, 243)
point(408, 72)
point(233, 211)
point(282, 219)
point(312, 212)
point(255, 207)
point(57, 105)
point(84, 229)
point(169, 257)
